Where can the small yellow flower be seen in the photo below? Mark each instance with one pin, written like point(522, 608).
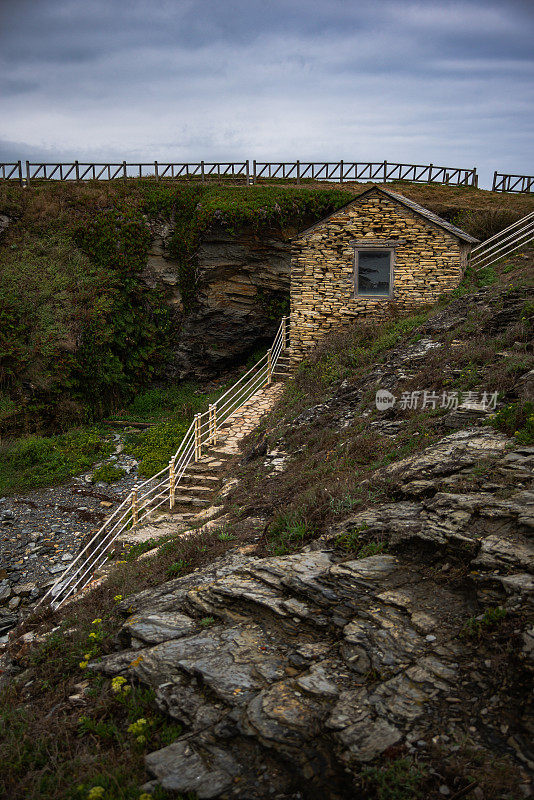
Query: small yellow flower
point(82, 664)
point(87, 656)
point(118, 598)
point(127, 690)
point(96, 793)
point(93, 635)
point(117, 684)
point(96, 622)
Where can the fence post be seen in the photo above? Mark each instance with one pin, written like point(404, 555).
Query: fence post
point(254, 170)
point(385, 171)
point(247, 172)
point(156, 170)
point(172, 484)
point(198, 445)
point(475, 178)
point(77, 171)
point(341, 171)
point(135, 507)
point(21, 179)
point(494, 181)
point(269, 367)
point(124, 171)
point(430, 173)
point(28, 173)
point(202, 171)
point(213, 424)
point(298, 173)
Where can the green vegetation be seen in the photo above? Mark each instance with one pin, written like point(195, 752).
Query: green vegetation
point(475, 626)
point(107, 473)
point(155, 446)
point(516, 419)
point(44, 460)
point(401, 779)
point(287, 533)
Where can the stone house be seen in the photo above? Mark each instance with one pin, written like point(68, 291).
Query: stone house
point(379, 249)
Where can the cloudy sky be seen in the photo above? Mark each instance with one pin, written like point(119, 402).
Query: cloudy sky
point(444, 82)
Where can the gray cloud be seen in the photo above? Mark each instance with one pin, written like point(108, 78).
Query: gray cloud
point(447, 82)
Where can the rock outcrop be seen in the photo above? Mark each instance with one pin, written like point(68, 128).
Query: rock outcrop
point(242, 291)
point(299, 671)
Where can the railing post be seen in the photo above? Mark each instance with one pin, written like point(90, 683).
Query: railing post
point(254, 170)
point(135, 507)
point(77, 171)
point(494, 181)
point(156, 170)
point(172, 484)
point(124, 174)
point(341, 171)
point(298, 173)
point(213, 423)
point(202, 171)
point(198, 445)
point(27, 173)
point(21, 179)
point(385, 171)
point(247, 171)
point(269, 367)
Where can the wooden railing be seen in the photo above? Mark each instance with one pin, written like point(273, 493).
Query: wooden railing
point(246, 171)
point(378, 171)
point(11, 171)
point(160, 489)
point(503, 182)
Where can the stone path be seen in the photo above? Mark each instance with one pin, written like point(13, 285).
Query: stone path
point(247, 419)
point(196, 494)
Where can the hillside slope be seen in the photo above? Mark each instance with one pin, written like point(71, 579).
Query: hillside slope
point(356, 620)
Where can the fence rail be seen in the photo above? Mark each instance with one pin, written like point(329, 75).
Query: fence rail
point(11, 171)
point(160, 489)
point(503, 182)
point(246, 171)
point(381, 171)
point(504, 243)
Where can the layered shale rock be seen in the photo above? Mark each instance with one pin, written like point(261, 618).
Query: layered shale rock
point(242, 291)
point(299, 671)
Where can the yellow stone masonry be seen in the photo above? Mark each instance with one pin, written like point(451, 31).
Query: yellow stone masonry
point(428, 261)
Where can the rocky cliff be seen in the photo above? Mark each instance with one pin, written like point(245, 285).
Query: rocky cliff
point(241, 290)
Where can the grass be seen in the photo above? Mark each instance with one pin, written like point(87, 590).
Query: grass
point(287, 533)
point(475, 626)
point(401, 779)
point(36, 461)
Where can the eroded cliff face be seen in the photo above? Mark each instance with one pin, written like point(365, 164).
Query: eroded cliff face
point(241, 291)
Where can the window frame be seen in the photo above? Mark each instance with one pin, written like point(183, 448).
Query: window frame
point(360, 247)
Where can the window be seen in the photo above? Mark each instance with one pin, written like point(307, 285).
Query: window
point(374, 270)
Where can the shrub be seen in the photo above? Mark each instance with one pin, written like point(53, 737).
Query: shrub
point(155, 446)
point(287, 532)
point(107, 473)
point(43, 460)
point(516, 419)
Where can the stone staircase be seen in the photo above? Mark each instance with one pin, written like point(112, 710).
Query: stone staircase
point(197, 491)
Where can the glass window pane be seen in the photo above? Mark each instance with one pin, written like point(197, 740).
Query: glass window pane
point(373, 272)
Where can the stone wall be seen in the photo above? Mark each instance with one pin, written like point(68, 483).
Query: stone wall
point(428, 262)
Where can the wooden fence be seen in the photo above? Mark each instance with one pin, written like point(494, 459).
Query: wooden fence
point(248, 172)
point(512, 183)
point(11, 171)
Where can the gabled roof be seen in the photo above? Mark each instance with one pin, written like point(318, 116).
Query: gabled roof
point(404, 201)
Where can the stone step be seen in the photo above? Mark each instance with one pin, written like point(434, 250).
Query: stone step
point(200, 479)
point(191, 488)
point(207, 465)
point(181, 500)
